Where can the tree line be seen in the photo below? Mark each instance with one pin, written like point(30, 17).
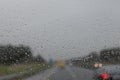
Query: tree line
point(110, 55)
point(11, 54)
point(105, 56)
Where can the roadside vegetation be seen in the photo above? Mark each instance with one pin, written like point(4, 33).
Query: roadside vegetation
point(21, 68)
point(109, 56)
point(20, 60)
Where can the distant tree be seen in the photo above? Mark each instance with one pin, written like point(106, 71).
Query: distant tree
point(94, 57)
point(10, 54)
point(39, 59)
point(110, 55)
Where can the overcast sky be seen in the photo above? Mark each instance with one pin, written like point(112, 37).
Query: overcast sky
point(60, 29)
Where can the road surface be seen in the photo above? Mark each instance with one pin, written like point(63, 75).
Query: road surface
point(69, 73)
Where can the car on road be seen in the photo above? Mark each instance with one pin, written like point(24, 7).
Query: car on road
point(111, 72)
point(61, 64)
point(104, 76)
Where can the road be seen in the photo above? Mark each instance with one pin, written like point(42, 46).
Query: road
point(69, 73)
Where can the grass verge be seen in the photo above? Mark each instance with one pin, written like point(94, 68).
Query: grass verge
point(22, 70)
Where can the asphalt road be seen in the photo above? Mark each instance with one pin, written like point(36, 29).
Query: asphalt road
point(68, 73)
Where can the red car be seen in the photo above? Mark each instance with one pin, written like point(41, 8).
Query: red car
point(104, 76)
point(110, 72)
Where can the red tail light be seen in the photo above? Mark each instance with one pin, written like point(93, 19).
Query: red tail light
point(105, 76)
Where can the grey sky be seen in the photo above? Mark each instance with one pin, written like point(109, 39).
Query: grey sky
point(60, 28)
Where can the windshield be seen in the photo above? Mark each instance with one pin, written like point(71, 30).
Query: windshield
point(59, 39)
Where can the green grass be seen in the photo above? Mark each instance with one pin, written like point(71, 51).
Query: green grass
point(3, 70)
point(21, 68)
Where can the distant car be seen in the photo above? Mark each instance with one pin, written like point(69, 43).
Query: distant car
point(108, 73)
point(70, 64)
point(61, 64)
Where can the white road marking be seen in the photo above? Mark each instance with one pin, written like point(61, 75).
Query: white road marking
point(50, 74)
point(71, 73)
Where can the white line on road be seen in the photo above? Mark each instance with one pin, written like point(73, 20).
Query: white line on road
point(43, 76)
point(49, 74)
point(71, 73)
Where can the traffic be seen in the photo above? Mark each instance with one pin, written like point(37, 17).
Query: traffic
point(59, 39)
point(111, 72)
